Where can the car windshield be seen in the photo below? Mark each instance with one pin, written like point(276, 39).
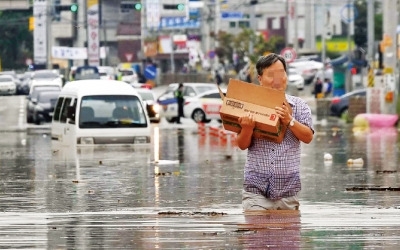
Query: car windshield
point(38, 89)
point(48, 97)
point(202, 89)
point(5, 79)
point(106, 111)
point(45, 75)
point(146, 96)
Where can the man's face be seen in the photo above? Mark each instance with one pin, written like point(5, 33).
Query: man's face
point(274, 77)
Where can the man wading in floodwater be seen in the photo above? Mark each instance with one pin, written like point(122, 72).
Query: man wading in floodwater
point(272, 170)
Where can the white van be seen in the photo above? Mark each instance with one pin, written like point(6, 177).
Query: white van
point(99, 112)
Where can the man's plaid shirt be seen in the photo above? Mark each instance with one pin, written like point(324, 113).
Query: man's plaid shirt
point(273, 169)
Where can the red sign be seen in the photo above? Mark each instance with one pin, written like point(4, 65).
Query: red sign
point(289, 54)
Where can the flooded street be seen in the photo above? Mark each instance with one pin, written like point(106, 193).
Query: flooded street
point(185, 193)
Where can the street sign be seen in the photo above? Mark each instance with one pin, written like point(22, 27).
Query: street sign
point(93, 31)
point(150, 72)
point(348, 13)
point(289, 54)
point(231, 15)
point(40, 32)
point(178, 23)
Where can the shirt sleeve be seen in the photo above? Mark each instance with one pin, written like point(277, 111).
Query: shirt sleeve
point(303, 114)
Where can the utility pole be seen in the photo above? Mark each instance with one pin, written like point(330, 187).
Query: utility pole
point(349, 82)
point(371, 28)
point(287, 24)
point(252, 25)
point(296, 33)
point(323, 37)
point(390, 54)
point(216, 31)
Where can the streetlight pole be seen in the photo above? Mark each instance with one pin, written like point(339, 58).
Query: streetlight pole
point(371, 26)
point(172, 54)
point(349, 84)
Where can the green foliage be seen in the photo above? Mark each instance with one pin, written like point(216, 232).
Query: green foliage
point(360, 24)
point(16, 43)
point(240, 43)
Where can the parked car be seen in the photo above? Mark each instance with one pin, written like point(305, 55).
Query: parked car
point(106, 72)
point(203, 107)
point(32, 98)
point(43, 106)
point(24, 87)
point(99, 112)
point(150, 101)
point(128, 75)
point(340, 105)
point(45, 77)
point(307, 68)
point(7, 85)
point(85, 73)
point(295, 79)
point(168, 102)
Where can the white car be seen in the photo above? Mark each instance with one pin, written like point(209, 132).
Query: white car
point(128, 76)
point(7, 85)
point(167, 101)
point(150, 103)
point(295, 79)
point(106, 72)
point(307, 69)
point(203, 107)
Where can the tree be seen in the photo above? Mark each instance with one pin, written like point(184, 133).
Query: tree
point(239, 44)
point(360, 24)
point(16, 43)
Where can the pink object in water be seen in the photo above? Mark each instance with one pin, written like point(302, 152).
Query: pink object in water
point(381, 120)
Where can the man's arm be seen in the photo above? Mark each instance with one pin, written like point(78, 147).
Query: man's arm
point(247, 123)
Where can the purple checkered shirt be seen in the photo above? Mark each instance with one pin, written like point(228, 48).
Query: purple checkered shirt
point(273, 169)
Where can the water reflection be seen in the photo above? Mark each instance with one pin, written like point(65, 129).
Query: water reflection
point(271, 229)
point(109, 197)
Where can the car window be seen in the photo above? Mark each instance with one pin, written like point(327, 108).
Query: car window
point(112, 111)
point(57, 109)
point(203, 88)
point(213, 95)
point(38, 89)
point(45, 75)
point(64, 110)
point(6, 79)
point(48, 97)
point(146, 96)
point(189, 91)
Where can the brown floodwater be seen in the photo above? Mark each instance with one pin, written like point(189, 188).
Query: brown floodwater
point(185, 193)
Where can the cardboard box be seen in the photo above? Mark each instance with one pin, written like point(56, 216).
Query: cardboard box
point(242, 98)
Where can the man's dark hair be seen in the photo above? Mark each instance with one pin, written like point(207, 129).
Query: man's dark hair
point(266, 61)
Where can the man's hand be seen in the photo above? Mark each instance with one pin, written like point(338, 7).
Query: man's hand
point(284, 114)
point(247, 122)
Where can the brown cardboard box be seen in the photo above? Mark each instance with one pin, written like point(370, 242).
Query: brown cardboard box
point(242, 98)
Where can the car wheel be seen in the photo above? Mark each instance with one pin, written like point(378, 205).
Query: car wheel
point(198, 115)
point(29, 119)
point(171, 119)
point(37, 121)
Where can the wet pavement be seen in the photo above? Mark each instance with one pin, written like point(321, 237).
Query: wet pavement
point(185, 193)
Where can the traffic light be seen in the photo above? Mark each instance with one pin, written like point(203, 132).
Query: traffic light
point(74, 7)
point(31, 23)
point(180, 7)
point(127, 6)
